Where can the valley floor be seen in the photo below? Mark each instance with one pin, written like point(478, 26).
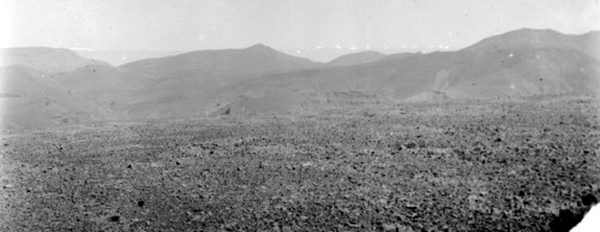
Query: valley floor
point(496, 165)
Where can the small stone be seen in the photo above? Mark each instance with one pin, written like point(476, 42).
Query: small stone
point(389, 227)
point(306, 164)
point(401, 228)
point(115, 218)
point(411, 206)
point(589, 199)
point(565, 220)
point(196, 218)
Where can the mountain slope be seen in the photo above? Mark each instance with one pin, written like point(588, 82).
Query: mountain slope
point(259, 79)
point(103, 85)
point(47, 60)
point(519, 63)
point(98, 78)
point(178, 94)
point(529, 39)
point(30, 100)
point(117, 58)
point(183, 84)
point(525, 62)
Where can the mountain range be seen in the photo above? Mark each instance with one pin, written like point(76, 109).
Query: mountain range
point(50, 86)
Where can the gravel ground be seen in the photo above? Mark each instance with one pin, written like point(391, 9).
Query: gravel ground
point(501, 165)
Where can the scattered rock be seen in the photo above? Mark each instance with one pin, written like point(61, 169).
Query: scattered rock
point(369, 114)
point(411, 145)
point(411, 206)
point(565, 221)
point(155, 165)
point(389, 227)
point(396, 227)
point(589, 199)
point(306, 164)
point(115, 218)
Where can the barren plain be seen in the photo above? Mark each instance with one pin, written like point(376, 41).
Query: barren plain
point(456, 165)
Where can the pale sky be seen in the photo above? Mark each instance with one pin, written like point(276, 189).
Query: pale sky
point(166, 25)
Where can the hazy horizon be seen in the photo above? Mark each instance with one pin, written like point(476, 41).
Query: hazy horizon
point(322, 54)
point(295, 27)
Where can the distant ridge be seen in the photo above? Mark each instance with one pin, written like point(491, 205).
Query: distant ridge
point(44, 59)
point(527, 38)
point(513, 64)
point(254, 60)
point(48, 86)
point(357, 58)
point(117, 58)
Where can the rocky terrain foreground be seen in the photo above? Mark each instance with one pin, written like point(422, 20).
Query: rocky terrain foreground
point(461, 165)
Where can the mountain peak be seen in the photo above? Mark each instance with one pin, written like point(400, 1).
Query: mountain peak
point(259, 46)
point(520, 38)
point(533, 32)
